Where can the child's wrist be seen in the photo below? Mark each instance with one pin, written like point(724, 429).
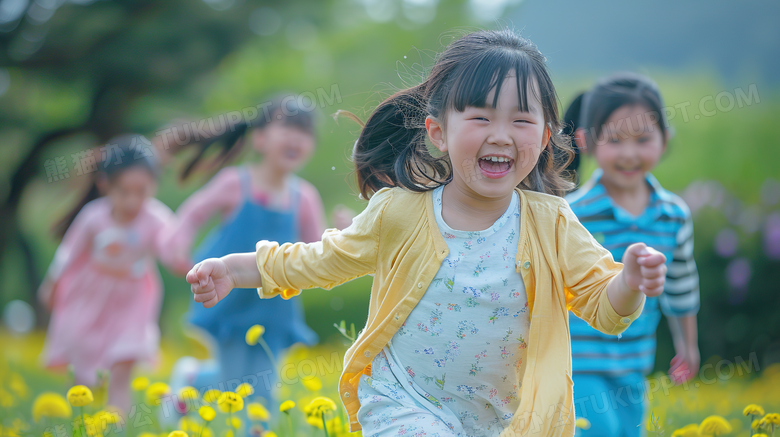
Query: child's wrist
point(230, 272)
point(624, 281)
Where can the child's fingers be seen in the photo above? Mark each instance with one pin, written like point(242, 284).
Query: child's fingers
point(205, 296)
point(653, 272)
point(651, 292)
point(192, 276)
point(654, 283)
point(201, 286)
point(653, 259)
point(211, 302)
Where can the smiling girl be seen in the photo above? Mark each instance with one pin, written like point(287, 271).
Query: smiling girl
point(475, 258)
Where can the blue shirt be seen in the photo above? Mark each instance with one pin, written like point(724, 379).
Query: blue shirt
point(666, 226)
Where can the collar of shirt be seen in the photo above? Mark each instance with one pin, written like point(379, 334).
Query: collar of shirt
point(650, 213)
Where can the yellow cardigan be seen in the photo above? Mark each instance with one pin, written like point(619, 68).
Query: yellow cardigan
point(397, 240)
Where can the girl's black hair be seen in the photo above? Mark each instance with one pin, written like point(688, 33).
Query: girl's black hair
point(286, 108)
point(571, 121)
point(613, 92)
point(391, 148)
point(120, 153)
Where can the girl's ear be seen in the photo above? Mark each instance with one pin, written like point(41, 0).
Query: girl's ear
point(579, 138)
point(435, 133)
point(546, 141)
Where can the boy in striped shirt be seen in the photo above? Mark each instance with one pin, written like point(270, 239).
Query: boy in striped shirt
point(621, 122)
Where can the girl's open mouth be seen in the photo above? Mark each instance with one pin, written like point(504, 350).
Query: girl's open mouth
point(629, 172)
point(495, 167)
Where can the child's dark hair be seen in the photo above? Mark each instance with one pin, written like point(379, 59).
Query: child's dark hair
point(591, 110)
point(571, 119)
point(391, 148)
point(286, 108)
point(121, 153)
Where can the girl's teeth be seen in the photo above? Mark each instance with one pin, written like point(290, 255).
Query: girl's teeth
point(496, 159)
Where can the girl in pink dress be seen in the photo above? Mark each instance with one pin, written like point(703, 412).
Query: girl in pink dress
point(103, 286)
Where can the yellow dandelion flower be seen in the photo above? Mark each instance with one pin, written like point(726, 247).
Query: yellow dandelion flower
point(582, 423)
point(80, 395)
point(8, 432)
point(233, 422)
point(690, 430)
point(230, 402)
point(51, 405)
point(6, 399)
point(315, 421)
point(207, 413)
point(761, 434)
point(286, 406)
point(313, 384)
point(257, 412)
point(715, 426)
point(212, 396)
point(104, 418)
point(155, 392)
point(140, 383)
point(189, 393)
point(753, 410)
point(319, 406)
point(206, 432)
point(245, 390)
point(189, 425)
point(228, 433)
point(18, 385)
point(178, 433)
point(269, 434)
point(772, 419)
point(253, 334)
point(147, 434)
point(336, 428)
point(755, 424)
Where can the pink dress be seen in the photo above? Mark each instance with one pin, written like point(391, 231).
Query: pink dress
point(108, 291)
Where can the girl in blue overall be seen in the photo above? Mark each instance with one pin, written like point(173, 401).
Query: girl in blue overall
point(258, 201)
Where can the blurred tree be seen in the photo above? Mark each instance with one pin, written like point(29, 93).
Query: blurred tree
point(113, 53)
point(82, 69)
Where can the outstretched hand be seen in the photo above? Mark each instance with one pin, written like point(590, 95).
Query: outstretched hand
point(645, 269)
point(210, 281)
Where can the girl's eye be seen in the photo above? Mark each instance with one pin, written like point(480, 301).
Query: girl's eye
point(479, 118)
point(643, 139)
point(523, 121)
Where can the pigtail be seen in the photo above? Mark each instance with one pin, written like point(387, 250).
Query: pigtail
point(391, 149)
point(230, 143)
point(286, 108)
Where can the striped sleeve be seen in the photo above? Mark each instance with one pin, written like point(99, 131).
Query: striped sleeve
point(681, 291)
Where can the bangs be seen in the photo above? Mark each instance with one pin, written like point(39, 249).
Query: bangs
point(485, 71)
